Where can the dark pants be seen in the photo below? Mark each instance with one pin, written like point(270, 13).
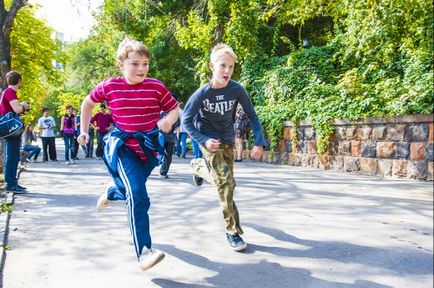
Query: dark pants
point(100, 143)
point(196, 150)
point(167, 158)
point(89, 145)
point(49, 148)
point(76, 148)
point(12, 158)
point(181, 144)
point(69, 145)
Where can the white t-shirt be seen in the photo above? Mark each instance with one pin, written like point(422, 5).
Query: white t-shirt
point(181, 125)
point(48, 124)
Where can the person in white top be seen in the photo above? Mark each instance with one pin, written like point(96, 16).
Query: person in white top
point(181, 143)
point(46, 125)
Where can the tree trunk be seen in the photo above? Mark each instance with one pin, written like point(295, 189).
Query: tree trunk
point(6, 21)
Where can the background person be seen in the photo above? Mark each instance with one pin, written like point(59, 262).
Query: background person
point(46, 125)
point(89, 145)
point(77, 133)
point(9, 103)
point(181, 139)
point(242, 130)
point(169, 148)
point(68, 127)
point(102, 121)
point(29, 137)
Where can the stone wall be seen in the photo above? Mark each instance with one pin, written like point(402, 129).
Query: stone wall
point(399, 146)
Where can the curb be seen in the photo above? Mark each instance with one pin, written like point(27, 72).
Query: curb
point(4, 218)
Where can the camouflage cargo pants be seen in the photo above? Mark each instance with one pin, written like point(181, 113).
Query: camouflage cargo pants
point(218, 168)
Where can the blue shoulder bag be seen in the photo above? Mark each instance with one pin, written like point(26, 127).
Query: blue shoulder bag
point(10, 123)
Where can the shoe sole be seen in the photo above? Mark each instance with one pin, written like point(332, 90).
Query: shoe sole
point(17, 192)
point(240, 248)
point(153, 263)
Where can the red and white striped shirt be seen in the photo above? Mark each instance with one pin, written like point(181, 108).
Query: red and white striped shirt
point(134, 107)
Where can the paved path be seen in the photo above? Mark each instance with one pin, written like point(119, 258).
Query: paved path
point(305, 228)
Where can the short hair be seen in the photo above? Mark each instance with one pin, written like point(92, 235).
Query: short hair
point(13, 78)
point(45, 110)
point(129, 45)
point(221, 49)
point(69, 107)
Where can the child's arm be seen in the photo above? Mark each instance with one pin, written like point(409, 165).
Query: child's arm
point(86, 113)
point(40, 125)
point(259, 139)
point(61, 123)
point(166, 123)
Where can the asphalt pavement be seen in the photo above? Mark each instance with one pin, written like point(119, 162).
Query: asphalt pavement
point(305, 228)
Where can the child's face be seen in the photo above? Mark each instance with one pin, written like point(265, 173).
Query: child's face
point(222, 70)
point(135, 68)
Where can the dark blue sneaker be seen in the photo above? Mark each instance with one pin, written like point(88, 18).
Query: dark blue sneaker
point(21, 187)
point(237, 243)
point(16, 189)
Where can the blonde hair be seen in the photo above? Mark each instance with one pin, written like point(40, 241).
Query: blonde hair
point(222, 49)
point(130, 45)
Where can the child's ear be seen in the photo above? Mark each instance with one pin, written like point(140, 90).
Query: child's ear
point(121, 64)
point(211, 66)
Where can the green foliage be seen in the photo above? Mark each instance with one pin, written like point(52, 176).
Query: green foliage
point(6, 207)
point(153, 24)
point(378, 63)
point(92, 60)
point(33, 52)
point(365, 58)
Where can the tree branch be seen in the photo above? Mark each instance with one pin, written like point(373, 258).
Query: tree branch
point(10, 16)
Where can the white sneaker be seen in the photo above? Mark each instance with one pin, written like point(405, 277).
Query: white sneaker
point(67, 163)
point(103, 202)
point(149, 258)
point(72, 161)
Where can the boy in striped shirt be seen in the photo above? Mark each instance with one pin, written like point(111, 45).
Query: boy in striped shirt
point(136, 103)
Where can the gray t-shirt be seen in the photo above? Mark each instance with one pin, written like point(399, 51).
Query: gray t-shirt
point(210, 113)
point(47, 124)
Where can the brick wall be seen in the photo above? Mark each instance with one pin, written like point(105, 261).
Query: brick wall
point(399, 146)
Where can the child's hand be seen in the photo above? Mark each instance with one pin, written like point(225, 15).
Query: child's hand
point(164, 125)
point(83, 138)
point(25, 105)
point(256, 152)
point(212, 145)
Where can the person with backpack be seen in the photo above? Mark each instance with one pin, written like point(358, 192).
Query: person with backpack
point(9, 103)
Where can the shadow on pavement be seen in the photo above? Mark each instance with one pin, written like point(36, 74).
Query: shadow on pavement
point(262, 274)
point(403, 261)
